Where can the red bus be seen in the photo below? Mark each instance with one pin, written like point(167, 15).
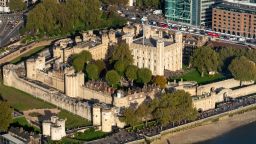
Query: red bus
point(213, 34)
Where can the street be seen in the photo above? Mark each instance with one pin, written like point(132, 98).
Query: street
point(10, 26)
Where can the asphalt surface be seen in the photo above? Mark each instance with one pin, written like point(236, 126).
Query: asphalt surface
point(9, 31)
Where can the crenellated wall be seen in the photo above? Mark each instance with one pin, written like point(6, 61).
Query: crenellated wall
point(75, 106)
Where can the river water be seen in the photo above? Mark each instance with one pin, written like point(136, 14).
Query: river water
point(242, 135)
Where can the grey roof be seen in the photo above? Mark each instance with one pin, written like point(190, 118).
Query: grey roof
point(12, 139)
point(150, 42)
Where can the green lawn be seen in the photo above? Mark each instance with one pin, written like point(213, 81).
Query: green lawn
point(194, 75)
point(89, 135)
point(22, 122)
point(23, 101)
point(73, 120)
point(28, 54)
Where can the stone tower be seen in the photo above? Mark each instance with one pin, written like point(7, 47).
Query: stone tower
point(160, 57)
point(107, 120)
point(96, 112)
point(104, 39)
point(73, 83)
point(31, 68)
point(178, 37)
point(61, 123)
point(128, 38)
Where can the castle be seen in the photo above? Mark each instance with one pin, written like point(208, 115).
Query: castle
point(54, 81)
point(55, 128)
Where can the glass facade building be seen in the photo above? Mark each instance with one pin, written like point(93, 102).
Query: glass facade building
point(178, 10)
point(193, 12)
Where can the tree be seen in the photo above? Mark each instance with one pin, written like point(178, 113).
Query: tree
point(50, 17)
point(115, 2)
point(174, 107)
point(112, 77)
point(131, 73)
point(243, 69)
point(92, 71)
point(160, 81)
point(123, 53)
point(5, 115)
point(79, 60)
point(129, 117)
point(101, 65)
point(144, 75)
point(205, 59)
point(143, 112)
point(120, 67)
point(17, 5)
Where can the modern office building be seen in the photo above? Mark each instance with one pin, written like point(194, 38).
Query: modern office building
point(235, 19)
point(193, 12)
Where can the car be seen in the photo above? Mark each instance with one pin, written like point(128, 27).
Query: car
point(133, 18)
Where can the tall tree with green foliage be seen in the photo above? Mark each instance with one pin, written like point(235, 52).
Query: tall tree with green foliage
point(144, 75)
point(205, 60)
point(122, 52)
point(131, 73)
point(92, 71)
point(148, 3)
point(174, 107)
point(143, 112)
point(17, 5)
point(5, 115)
point(80, 60)
point(120, 67)
point(112, 77)
point(129, 117)
point(243, 69)
point(101, 65)
point(50, 17)
point(115, 2)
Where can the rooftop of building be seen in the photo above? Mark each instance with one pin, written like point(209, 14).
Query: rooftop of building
point(238, 7)
point(150, 42)
point(12, 139)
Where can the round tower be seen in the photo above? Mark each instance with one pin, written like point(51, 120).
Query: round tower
point(107, 120)
point(46, 126)
point(56, 133)
point(61, 123)
point(96, 112)
point(54, 119)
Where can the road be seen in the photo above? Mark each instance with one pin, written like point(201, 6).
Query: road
point(135, 15)
point(9, 31)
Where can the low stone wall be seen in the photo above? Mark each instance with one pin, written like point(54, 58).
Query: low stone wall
point(242, 91)
point(23, 50)
point(54, 97)
point(89, 94)
point(189, 125)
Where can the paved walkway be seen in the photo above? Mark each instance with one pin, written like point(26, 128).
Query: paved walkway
point(209, 131)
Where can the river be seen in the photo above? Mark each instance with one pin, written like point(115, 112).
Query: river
point(242, 135)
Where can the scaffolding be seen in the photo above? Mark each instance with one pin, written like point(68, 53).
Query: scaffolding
point(178, 10)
